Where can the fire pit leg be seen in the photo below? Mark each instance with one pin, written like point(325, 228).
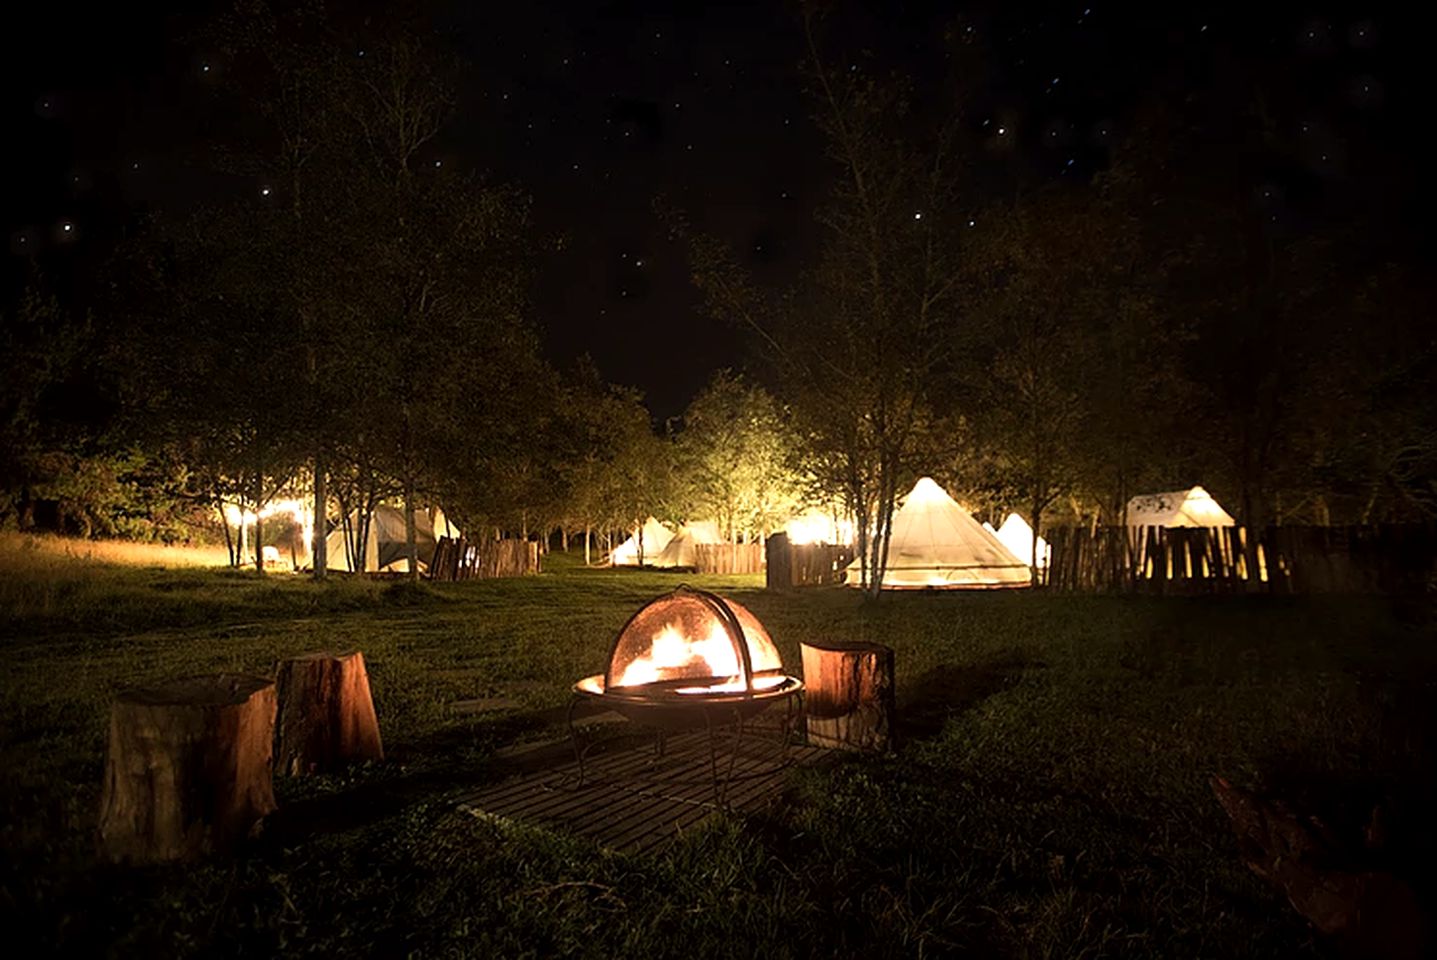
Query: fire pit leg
point(733, 752)
point(574, 737)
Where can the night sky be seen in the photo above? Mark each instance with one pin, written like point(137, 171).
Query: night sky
point(600, 109)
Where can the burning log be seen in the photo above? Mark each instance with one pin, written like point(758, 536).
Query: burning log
point(1370, 913)
point(187, 770)
point(326, 715)
point(850, 694)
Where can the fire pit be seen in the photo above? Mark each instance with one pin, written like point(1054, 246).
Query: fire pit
point(690, 659)
point(686, 652)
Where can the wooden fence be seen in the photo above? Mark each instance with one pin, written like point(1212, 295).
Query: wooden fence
point(483, 559)
point(805, 564)
point(1279, 560)
point(728, 557)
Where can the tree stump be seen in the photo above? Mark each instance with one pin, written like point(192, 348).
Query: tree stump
point(188, 768)
point(848, 700)
point(326, 716)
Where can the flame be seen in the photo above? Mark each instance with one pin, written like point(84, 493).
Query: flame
point(712, 656)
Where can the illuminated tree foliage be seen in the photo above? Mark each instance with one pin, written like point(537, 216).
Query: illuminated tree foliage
point(736, 459)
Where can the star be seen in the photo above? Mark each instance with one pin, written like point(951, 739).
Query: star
point(264, 191)
point(917, 216)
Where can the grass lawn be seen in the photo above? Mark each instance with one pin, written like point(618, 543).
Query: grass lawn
point(1050, 799)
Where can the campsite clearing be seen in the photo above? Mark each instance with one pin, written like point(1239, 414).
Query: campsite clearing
point(1055, 765)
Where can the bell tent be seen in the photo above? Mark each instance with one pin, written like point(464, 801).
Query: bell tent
point(384, 546)
point(937, 544)
point(1017, 536)
point(1194, 507)
point(680, 550)
point(656, 536)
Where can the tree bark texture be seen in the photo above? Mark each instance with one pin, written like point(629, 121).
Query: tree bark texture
point(319, 550)
point(326, 715)
point(188, 768)
point(848, 702)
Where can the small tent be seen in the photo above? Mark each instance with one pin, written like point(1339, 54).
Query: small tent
point(935, 543)
point(1017, 536)
point(384, 547)
point(656, 536)
point(680, 550)
point(1193, 507)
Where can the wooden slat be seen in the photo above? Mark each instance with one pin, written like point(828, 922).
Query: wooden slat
point(631, 800)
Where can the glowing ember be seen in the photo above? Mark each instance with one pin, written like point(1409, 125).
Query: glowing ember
point(736, 686)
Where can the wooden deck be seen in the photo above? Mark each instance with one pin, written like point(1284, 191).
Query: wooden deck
point(632, 798)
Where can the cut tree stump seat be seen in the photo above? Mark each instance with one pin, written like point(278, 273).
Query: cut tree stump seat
point(187, 772)
point(326, 715)
point(848, 688)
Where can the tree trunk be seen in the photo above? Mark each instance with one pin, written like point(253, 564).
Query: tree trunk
point(319, 550)
point(229, 541)
point(187, 771)
point(587, 540)
point(240, 539)
point(1036, 518)
point(411, 550)
point(848, 700)
point(258, 524)
point(326, 715)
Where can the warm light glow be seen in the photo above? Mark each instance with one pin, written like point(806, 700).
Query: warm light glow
point(818, 527)
point(296, 510)
point(736, 686)
point(711, 656)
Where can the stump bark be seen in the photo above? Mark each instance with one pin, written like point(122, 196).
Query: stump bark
point(848, 701)
point(326, 715)
point(187, 772)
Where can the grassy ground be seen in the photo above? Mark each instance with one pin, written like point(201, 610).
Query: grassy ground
point(1049, 801)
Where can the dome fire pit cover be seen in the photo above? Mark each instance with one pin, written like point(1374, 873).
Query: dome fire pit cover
point(690, 644)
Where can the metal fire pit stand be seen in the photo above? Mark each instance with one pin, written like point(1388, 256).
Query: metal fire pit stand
point(716, 717)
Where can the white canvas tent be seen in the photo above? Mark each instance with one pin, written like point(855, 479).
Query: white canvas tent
point(656, 537)
point(937, 544)
point(1017, 536)
point(680, 550)
point(1194, 507)
point(384, 547)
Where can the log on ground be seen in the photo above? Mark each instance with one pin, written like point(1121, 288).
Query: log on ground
point(187, 772)
point(326, 714)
